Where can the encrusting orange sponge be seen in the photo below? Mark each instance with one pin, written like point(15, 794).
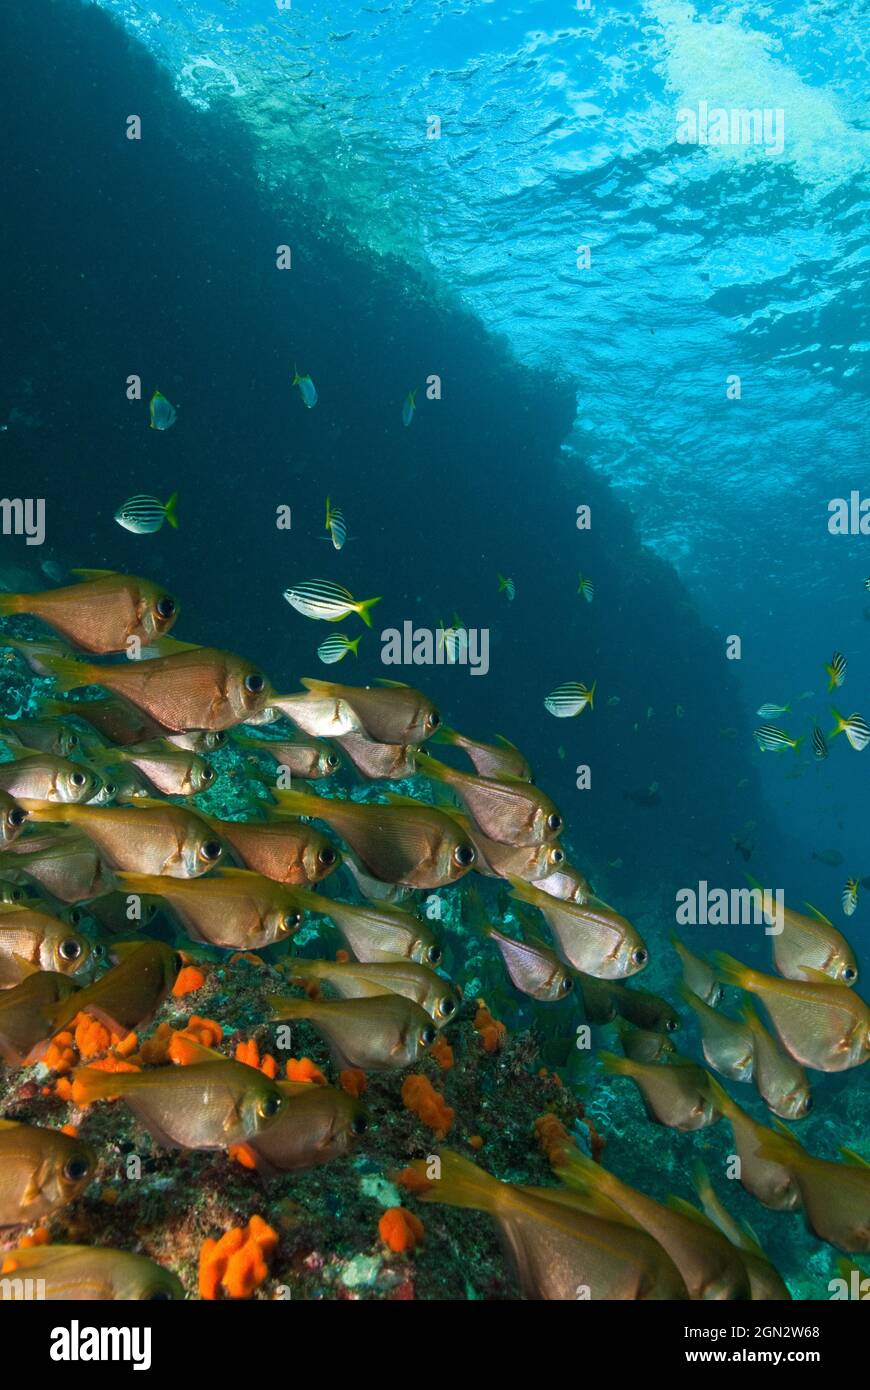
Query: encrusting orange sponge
point(420, 1097)
point(492, 1033)
point(237, 1264)
point(400, 1229)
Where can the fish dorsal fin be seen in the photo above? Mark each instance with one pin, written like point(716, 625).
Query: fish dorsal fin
point(506, 743)
point(85, 574)
point(391, 685)
point(783, 1130)
point(818, 977)
point(819, 916)
point(854, 1159)
point(292, 1089)
point(25, 966)
point(9, 1124)
point(398, 799)
point(187, 1052)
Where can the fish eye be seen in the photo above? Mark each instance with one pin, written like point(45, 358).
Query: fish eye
point(211, 850)
point(72, 741)
point(557, 856)
point(291, 920)
point(554, 821)
point(98, 952)
point(640, 956)
point(75, 917)
point(69, 949)
point(78, 779)
point(111, 789)
point(208, 774)
point(218, 737)
point(672, 1024)
point(359, 1124)
point(255, 683)
point(332, 760)
point(269, 1106)
point(447, 1006)
point(17, 816)
point(464, 855)
point(716, 997)
point(76, 1169)
point(327, 856)
point(849, 974)
point(807, 1105)
point(165, 606)
point(428, 1035)
point(433, 719)
point(567, 985)
point(433, 955)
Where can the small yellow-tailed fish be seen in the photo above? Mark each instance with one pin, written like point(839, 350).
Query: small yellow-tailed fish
point(384, 1032)
point(63, 862)
point(500, 759)
point(352, 979)
point(764, 1179)
point(404, 842)
point(306, 758)
point(555, 1245)
point(45, 777)
point(328, 602)
point(585, 587)
point(590, 935)
point(200, 688)
point(726, 1044)
point(808, 944)
point(823, 1025)
point(101, 613)
point(766, 1284)
point(307, 389)
point(390, 760)
point(315, 1125)
point(836, 671)
point(507, 587)
point(336, 647)
point(233, 908)
point(153, 837)
point(172, 771)
point(30, 936)
point(40, 736)
point(708, 1264)
point(336, 525)
point(570, 699)
point(677, 1095)
point(376, 931)
point(835, 1196)
point(41, 1171)
point(510, 812)
point(209, 1103)
point(161, 412)
point(26, 1015)
point(75, 1273)
point(388, 712)
point(780, 1080)
point(129, 995)
point(644, 1045)
point(698, 974)
point(143, 515)
point(854, 726)
point(287, 851)
point(409, 408)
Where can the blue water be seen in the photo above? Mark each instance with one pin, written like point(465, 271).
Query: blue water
point(561, 385)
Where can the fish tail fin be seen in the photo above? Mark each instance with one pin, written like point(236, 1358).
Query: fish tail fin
point(283, 1006)
point(13, 603)
point(46, 810)
point(326, 523)
point(801, 738)
point(171, 510)
point(502, 583)
point(141, 883)
point(90, 1084)
point(591, 700)
point(576, 1169)
point(461, 1183)
point(701, 1180)
point(730, 971)
point(300, 803)
point(354, 646)
point(430, 767)
point(614, 1065)
point(778, 1145)
point(363, 609)
point(841, 723)
point(68, 673)
point(721, 1098)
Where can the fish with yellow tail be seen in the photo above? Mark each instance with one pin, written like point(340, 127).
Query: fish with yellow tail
point(353, 979)
point(129, 995)
point(200, 688)
point(328, 602)
point(835, 1196)
point(72, 1273)
point(709, 1266)
point(233, 908)
point(766, 1283)
point(41, 1171)
point(45, 777)
point(806, 945)
point(404, 842)
point(29, 937)
point(854, 726)
point(677, 1095)
point(767, 1181)
point(376, 932)
point(727, 1044)
point(780, 1080)
point(27, 1015)
point(102, 613)
point(315, 1125)
point(591, 936)
point(388, 712)
point(384, 1032)
point(698, 975)
point(823, 1025)
point(287, 851)
point(500, 759)
point(510, 812)
point(209, 1102)
point(152, 837)
point(556, 1246)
